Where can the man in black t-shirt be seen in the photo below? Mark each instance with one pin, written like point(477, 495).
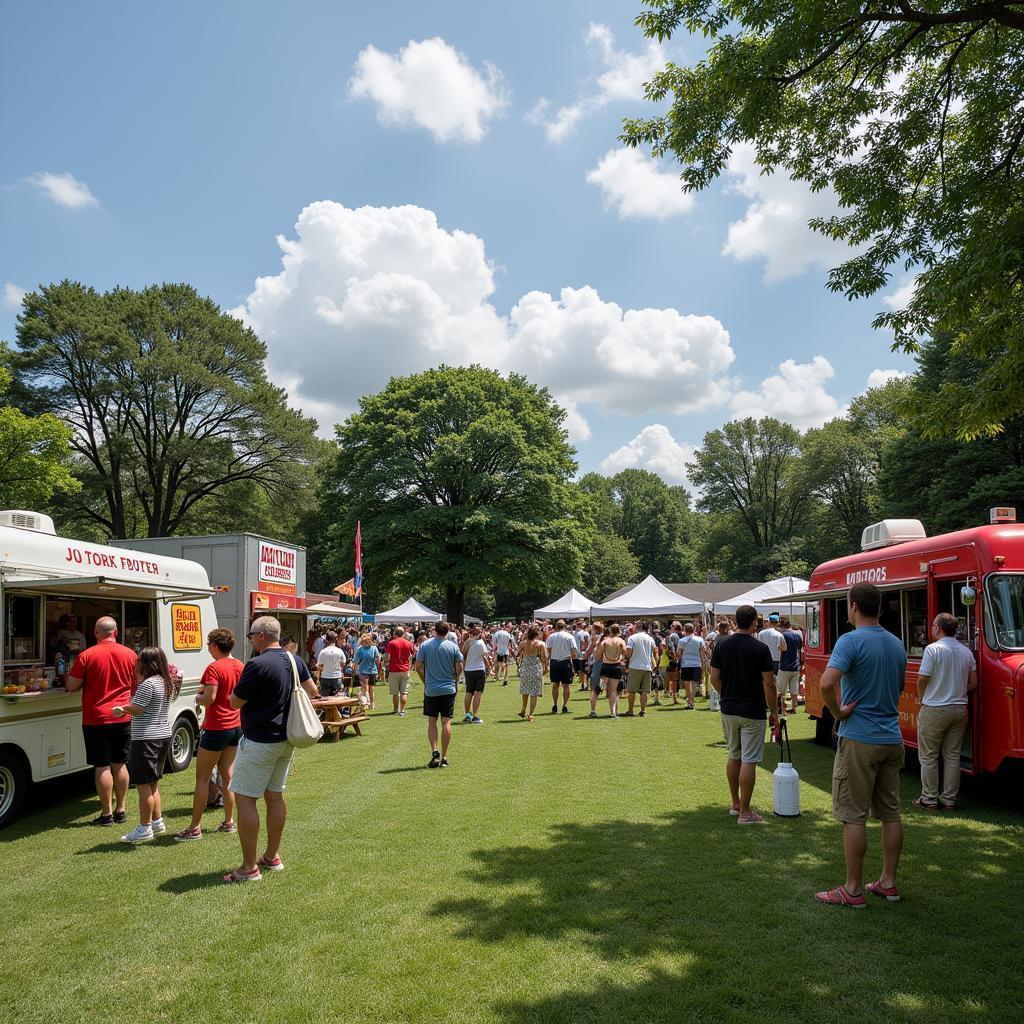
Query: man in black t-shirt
point(743, 673)
point(264, 695)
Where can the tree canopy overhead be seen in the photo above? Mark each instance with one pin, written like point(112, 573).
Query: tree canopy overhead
point(913, 113)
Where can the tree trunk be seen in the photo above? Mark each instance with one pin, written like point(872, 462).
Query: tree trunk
point(456, 600)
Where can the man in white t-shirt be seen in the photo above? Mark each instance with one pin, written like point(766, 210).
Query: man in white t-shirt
point(640, 653)
point(500, 644)
point(579, 663)
point(562, 649)
point(477, 659)
point(330, 663)
point(948, 673)
point(772, 637)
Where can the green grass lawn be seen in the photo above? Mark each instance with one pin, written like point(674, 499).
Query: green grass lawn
point(566, 870)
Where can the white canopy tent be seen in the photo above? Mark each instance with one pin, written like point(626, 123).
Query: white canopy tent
point(649, 597)
point(409, 611)
point(571, 605)
point(769, 597)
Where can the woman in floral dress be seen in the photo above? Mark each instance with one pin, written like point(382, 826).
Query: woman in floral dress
point(532, 667)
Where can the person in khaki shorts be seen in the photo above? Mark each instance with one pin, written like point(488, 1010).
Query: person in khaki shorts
point(400, 652)
point(641, 653)
point(948, 674)
point(869, 664)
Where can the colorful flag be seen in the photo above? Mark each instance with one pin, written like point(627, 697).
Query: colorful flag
point(358, 580)
point(348, 588)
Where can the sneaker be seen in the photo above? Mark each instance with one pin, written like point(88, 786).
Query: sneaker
point(467, 717)
point(401, 714)
point(103, 819)
point(565, 709)
point(613, 716)
point(238, 875)
point(119, 817)
point(477, 720)
point(158, 826)
point(444, 763)
point(593, 714)
point(554, 709)
point(139, 834)
point(270, 865)
point(643, 714)
point(435, 759)
point(188, 835)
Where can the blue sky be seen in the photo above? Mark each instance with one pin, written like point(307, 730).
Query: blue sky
point(431, 206)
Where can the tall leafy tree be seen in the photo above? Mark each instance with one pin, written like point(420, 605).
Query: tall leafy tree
point(608, 566)
point(655, 519)
point(912, 113)
point(168, 402)
point(462, 477)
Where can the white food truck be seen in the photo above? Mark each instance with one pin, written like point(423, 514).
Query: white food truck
point(52, 591)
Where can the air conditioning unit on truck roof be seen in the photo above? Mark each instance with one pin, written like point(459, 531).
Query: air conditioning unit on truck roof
point(21, 520)
point(891, 531)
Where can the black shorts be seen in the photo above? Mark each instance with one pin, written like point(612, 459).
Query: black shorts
point(443, 704)
point(330, 687)
point(147, 760)
point(673, 666)
point(107, 744)
point(502, 658)
point(577, 665)
point(692, 674)
point(475, 679)
point(217, 740)
point(561, 671)
point(611, 671)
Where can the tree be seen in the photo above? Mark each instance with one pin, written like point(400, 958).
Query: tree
point(168, 401)
point(655, 520)
point(463, 478)
point(34, 453)
point(608, 566)
point(912, 113)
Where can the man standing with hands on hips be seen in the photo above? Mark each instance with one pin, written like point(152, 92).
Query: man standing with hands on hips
point(869, 664)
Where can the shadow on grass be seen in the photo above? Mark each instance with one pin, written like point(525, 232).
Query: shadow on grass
point(181, 884)
point(408, 768)
point(692, 918)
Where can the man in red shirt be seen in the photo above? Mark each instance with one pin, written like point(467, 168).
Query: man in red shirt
point(400, 651)
point(105, 673)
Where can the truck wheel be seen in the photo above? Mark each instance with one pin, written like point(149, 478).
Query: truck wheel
point(823, 734)
point(183, 744)
point(14, 783)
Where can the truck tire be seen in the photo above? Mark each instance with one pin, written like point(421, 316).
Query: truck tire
point(14, 783)
point(823, 732)
point(183, 744)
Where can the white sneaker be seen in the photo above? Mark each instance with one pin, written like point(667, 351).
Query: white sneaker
point(158, 826)
point(139, 834)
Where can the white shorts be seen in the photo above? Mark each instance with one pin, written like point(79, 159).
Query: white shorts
point(788, 679)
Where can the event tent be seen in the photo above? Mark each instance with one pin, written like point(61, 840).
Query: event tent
point(649, 597)
point(769, 597)
point(410, 611)
point(327, 609)
point(569, 606)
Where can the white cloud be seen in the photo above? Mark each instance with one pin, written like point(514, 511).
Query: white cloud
point(622, 80)
point(775, 225)
point(13, 295)
point(901, 297)
point(364, 294)
point(879, 378)
point(634, 184)
point(795, 394)
point(432, 85)
point(655, 449)
point(64, 189)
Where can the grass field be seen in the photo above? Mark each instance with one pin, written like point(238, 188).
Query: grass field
point(565, 870)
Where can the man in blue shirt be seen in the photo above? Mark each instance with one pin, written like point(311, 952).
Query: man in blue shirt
point(870, 664)
point(439, 664)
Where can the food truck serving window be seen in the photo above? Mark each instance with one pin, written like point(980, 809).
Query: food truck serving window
point(1004, 619)
point(22, 636)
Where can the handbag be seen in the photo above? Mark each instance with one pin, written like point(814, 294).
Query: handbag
point(304, 726)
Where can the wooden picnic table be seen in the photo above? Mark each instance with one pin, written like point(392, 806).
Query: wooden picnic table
point(329, 709)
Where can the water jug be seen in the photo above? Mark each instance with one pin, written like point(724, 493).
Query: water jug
point(785, 781)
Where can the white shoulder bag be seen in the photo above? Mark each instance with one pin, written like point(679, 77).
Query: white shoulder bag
point(304, 726)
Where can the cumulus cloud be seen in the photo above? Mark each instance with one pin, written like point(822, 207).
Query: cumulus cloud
point(655, 449)
point(622, 80)
point(795, 394)
point(432, 85)
point(775, 226)
point(879, 378)
point(64, 189)
point(367, 293)
point(13, 295)
point(901, 297)
point(635, 185)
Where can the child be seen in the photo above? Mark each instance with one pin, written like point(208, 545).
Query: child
point(151, 738)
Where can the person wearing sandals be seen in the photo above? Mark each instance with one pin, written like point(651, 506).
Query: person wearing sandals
point(218, 742)
point(151, 739)
point(533, 664)
point(263, 694)
point(867, 668)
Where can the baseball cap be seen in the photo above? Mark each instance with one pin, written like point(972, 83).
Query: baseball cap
point(774, 617)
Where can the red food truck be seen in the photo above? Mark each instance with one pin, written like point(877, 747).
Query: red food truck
point(978, 576)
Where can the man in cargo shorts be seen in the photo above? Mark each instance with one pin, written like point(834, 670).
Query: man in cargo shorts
point(400, 651)
point(264, 695)
point(641, 652)
point(870, 665)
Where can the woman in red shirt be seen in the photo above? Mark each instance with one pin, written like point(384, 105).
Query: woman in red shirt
point(221, 733)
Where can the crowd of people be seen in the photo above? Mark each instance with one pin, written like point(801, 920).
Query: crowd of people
point(747, 666)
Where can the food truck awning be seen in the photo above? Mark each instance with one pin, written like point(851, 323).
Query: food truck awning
point(340, 611)
point(812, 596)
point(107, 586)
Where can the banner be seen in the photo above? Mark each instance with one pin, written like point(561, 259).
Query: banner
point(357, 581)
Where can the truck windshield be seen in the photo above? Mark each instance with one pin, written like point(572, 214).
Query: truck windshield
point(1006, 610)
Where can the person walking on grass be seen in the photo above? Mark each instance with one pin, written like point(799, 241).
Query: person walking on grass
point(402, 652)
point(368, 665)
point(790, 666)
point(439, 665)
point(477, 661)
point(594, 665)
point(533, 665)
point(330, 666)
point(222, 731)
point(263, 694)
point(772, 636)
point(640, 654)
point(105, 673)
point(947, 675)
point(672, 671)
point(861, 687)
point(612, 651)
point(501, 642)
point(693, 652)
point(562, 652)
point(743, 675)
point(151, 739)
point(579, 663)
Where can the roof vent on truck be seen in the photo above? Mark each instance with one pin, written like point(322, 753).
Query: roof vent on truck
point(21, 520)
point(891, 531)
